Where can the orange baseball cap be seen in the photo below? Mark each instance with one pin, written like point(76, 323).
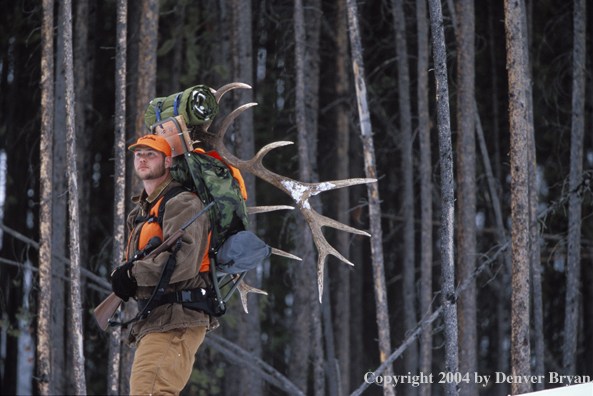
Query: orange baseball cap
point(156, 142)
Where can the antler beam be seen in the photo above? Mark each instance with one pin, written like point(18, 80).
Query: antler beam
point(299, 191)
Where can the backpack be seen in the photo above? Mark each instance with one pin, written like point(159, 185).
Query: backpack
point(213, 181)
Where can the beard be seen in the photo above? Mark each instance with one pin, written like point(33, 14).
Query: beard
point(154, 173)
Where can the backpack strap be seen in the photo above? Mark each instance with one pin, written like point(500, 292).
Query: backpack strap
point(173, 192)
point(155, 215)
point(157, 109)
point(176, 104)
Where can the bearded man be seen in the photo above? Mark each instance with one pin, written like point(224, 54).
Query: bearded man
point(168, 338)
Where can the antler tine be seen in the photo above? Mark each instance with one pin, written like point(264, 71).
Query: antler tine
point(322, 221)
point(265, 209)
point(323, 250)
point(230, 118)
point(244, 289)
point(218, 95)
point(266, 149)
point(282, 253)
point(225, 88)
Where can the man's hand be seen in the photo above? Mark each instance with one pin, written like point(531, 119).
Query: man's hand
point(123, 282)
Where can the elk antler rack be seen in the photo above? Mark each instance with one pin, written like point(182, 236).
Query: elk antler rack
point(299, 191)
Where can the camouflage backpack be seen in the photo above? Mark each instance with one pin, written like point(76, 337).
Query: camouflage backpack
point(213, 181)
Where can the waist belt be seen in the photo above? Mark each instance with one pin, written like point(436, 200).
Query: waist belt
point(198, 299)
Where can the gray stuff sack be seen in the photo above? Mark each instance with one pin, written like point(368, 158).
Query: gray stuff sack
point(241, 252)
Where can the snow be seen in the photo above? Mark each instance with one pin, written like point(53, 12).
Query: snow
point(297, 190)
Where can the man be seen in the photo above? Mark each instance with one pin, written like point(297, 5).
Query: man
point(168, 338)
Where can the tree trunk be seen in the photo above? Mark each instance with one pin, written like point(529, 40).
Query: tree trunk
point(407, 207)
point(59, 215)
point(466, 197)
point(146, 86)
point(75, 282)
point(180, 10)
point(447, 197)
point(425, 170)
point(242, 50)
point(517, 76)
point(373, 191)
point(534, 243)
point(45, 206)
point(573, 268)
point(309, 311)
point(535, 251)
point(300, 343)
point(312, 14)
point(145, 90)
point(119, 192)
point(342, 280)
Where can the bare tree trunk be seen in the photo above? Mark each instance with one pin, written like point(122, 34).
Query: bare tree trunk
point(342, 285)
point(407, 208)
point(75, 282)
point(466, 197)
point(447, 197)
point(145, 91)
point(535, 252)
point(58, 383)
point(534, 243)
point(373, 191)
point(300, 338)
point(147, 62)
point(312, 22)
point(305, 293)
point(180, 8)
point(425, 170)
point(518, 108)
point(573, 268)
point(119, 192)
point(45, 206)
point(242, 50)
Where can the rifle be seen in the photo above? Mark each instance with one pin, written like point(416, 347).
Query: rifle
point(104, 312)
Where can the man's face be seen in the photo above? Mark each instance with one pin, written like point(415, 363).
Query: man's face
point(149, 163)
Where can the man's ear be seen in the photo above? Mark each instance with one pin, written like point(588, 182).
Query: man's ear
point(168, 162)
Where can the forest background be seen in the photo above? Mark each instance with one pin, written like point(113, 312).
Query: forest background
point(297, 57)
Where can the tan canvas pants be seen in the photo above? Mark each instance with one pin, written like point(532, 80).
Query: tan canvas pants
point(163, 361)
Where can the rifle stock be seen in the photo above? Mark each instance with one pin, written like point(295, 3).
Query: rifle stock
point(105, 311)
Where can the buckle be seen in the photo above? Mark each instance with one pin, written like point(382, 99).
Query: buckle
point(184, 296)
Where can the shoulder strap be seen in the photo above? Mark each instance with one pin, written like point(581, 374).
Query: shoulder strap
point(173, 192)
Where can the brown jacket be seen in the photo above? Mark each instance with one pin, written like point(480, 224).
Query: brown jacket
point(178, 211)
